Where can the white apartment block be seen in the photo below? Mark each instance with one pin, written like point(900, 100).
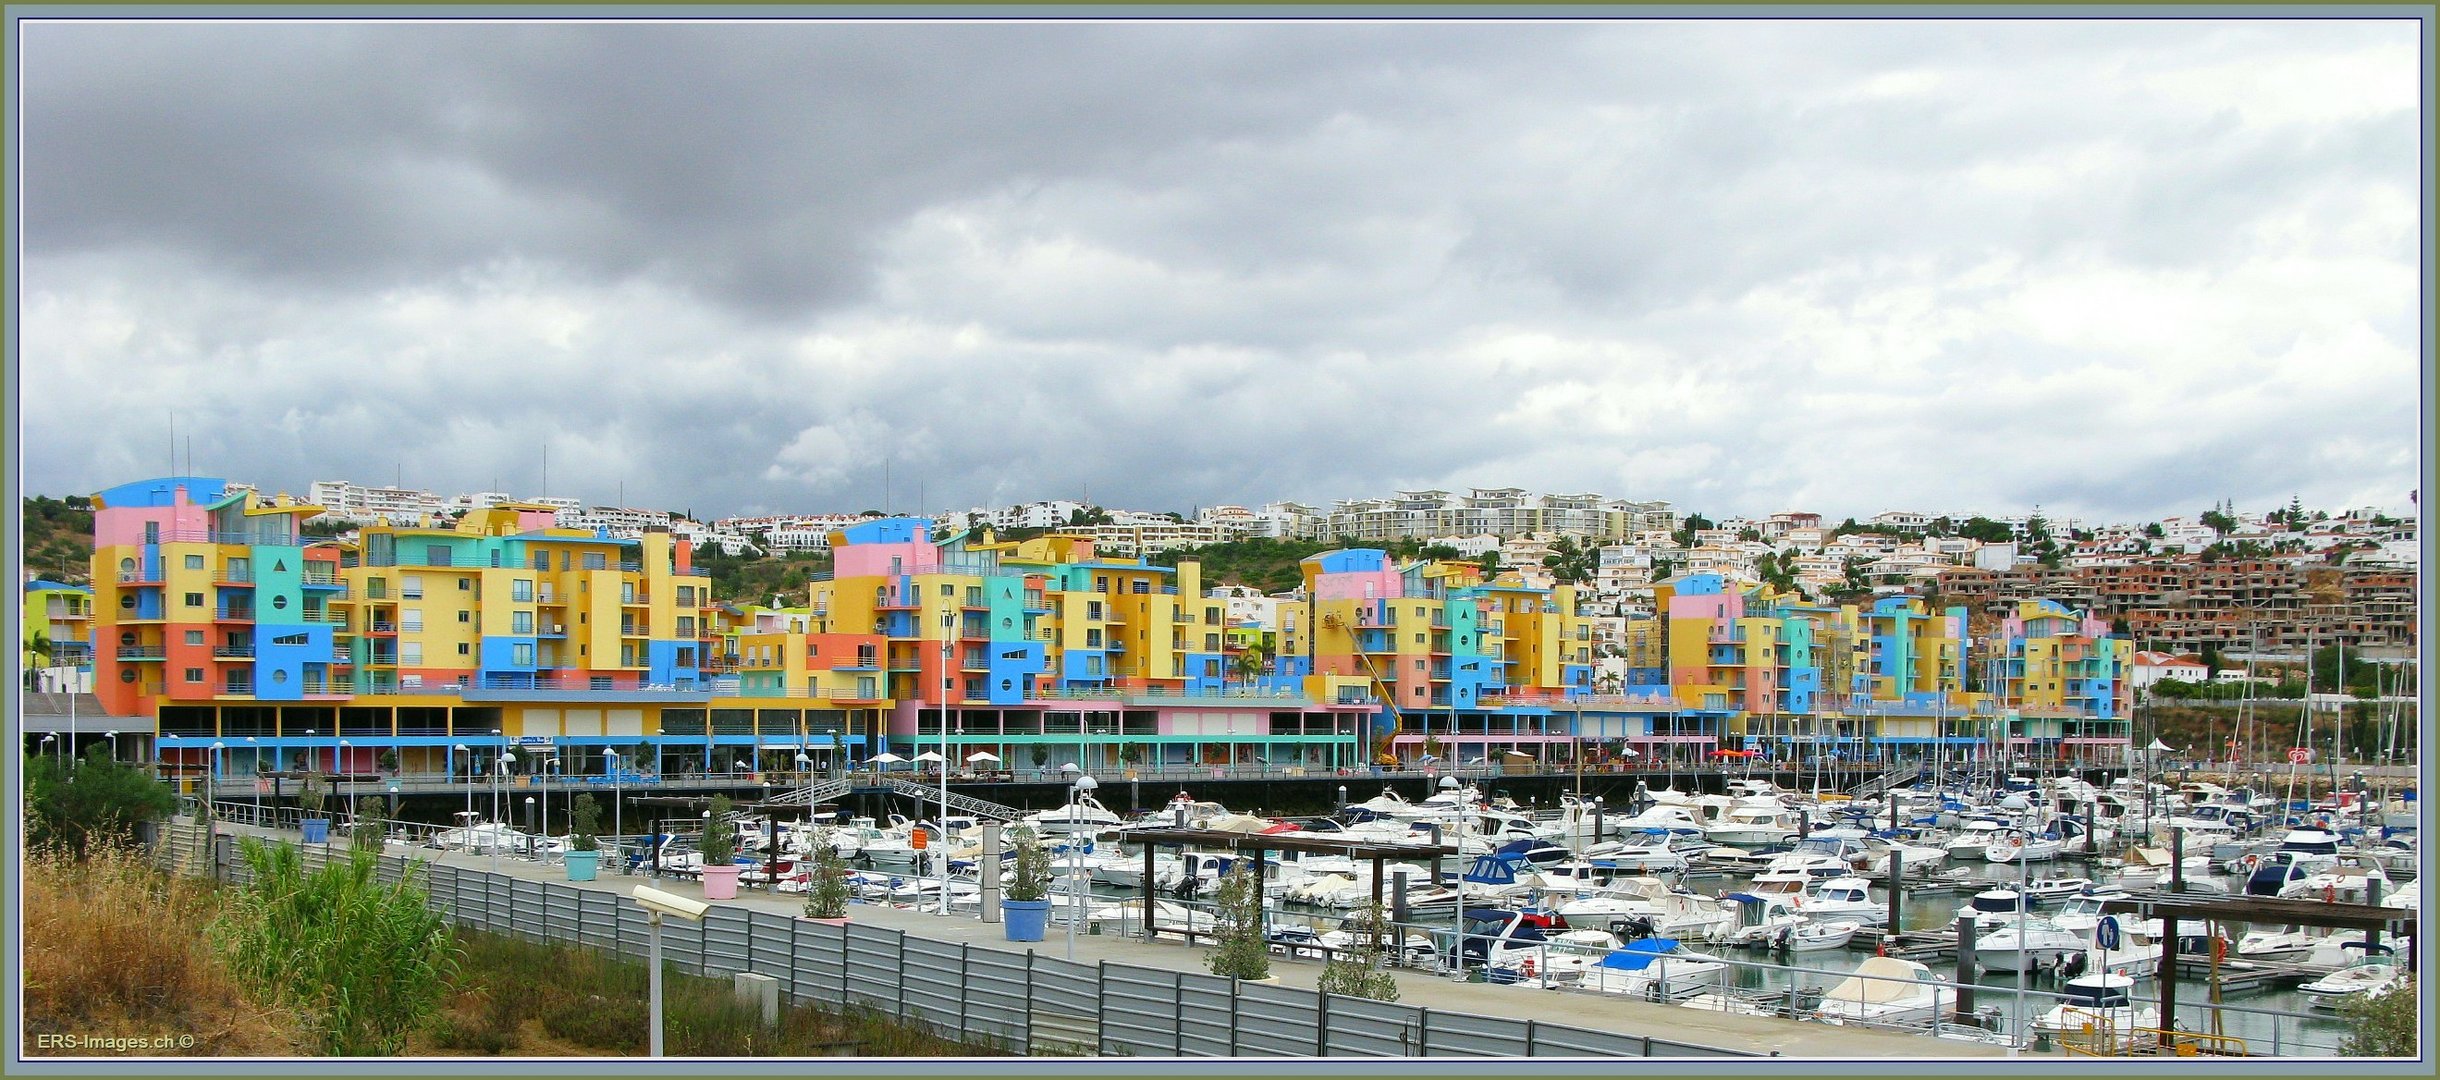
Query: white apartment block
point(1502, 512)
point(1133, 535)
point(343, 501)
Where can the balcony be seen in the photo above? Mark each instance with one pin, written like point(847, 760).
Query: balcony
point(226, 576)
point(142, 652)
point(240, 614)
point(382, 627)
point(140, 577)
point(325, 687)
point(323, 618)
point(233, 652)
point(237, 686)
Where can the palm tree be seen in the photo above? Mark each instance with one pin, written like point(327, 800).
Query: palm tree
point(1250, 662)
point(39, 646)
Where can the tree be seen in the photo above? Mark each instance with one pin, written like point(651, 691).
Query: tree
point(719, 843)
point(366, 832)
point(584, 824)
point(1439, 553)
point(826, 894)
point(1357, 972)
point(95, 801)
point(1242, 953)
point(2381, 1023)
point(1250, 662)
point(1986, 530)
point(1032, 877)
point(368, 962)
point(2218, 521)
point(1490, 562)
point(2152, 529)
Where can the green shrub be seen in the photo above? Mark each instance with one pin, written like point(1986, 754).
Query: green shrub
point(1358, 973)
point(1032, 880)
point(719, 843)
point(368, 962)
point(584, 824)
point(96, 801)
point(826, 894)
point(617, 1024)
point(1242, 953)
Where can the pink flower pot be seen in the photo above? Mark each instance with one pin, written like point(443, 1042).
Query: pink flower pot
point(720, 882)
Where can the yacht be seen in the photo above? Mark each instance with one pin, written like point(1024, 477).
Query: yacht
point(1887, 991)
point(2364, 978)
point(2100, 1014)
point(1974, 839)
point(2025, 944)
point(1847, 899)
point(1995, 905)
point(1655, 969)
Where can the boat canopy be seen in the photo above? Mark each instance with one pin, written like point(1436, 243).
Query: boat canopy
point(1877, 980)
point(1639, 954)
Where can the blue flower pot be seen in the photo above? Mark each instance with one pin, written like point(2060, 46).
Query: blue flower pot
point(316, 830)
point(1026, 920)
point(583, 865)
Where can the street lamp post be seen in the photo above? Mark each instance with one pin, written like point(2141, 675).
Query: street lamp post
point(258, 784)
point(211, 787)
point(113, 736)
point(529, 820)
point(63, 755)
point(1083, 786)
point(500, 792)
point(467, 822)
point(948, 635)
point(1449, 784)
point(617, 815)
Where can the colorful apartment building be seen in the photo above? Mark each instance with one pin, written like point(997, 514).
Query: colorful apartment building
point(2064, 680)
point(57, 636)
point(1480, 668)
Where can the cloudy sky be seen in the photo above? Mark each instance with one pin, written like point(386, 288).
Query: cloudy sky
point(2113, 269)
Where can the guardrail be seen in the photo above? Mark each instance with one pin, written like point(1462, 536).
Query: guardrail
point(1021, 1001)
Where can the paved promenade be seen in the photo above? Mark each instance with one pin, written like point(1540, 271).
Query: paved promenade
point(1755, 1034)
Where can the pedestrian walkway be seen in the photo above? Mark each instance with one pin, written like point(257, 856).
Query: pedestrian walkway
point(1748, 1034)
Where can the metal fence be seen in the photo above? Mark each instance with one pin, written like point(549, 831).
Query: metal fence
point(1025, 1002)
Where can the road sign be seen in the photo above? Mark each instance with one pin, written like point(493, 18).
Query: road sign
point(2105, 933)
point(2300, 755)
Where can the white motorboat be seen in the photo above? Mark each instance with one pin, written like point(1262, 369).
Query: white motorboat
point(1084, 815)
point(2364, 978)
point(1974, 839)
point(1847, 899)
point(1815, 936)
point(2025, 944)
point(2290, 942)
point(1757, 919)
point(2048, 889)
point(1753, 824)
point(1655, 969)
point(2024, 847)
point(2100, 1014)
point(1887, 991)
point(1996, 905)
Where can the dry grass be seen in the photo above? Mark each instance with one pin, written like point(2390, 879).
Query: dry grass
point(114, 948)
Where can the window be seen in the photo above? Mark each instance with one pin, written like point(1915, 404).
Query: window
point(521, 655)
point(948, 590)
point(411, 586)
point(1142, 586)
point(686, 596)
point(464, 649)
point(542, 560)
point(194, 674)
point(410, 653)
point(194, 562)
point(626, 592)
point(465, 616)
point(465, 584)
point(411, 620)
point(521, 622)
point(194, 637)
point(436, 555)
point(194, 599)
point(152, 532)
point(595, 560)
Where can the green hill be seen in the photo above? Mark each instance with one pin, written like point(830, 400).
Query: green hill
point(58, 538)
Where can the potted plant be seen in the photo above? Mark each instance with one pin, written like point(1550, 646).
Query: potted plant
point(365, 832)
point(310, 795)
point(719, 850)
point(1026, 910)
point(1243, 953)
point(826, 894)
point(584, 845)
point(389, 762)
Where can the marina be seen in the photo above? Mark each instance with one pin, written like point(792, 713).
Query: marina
point(1545, 907)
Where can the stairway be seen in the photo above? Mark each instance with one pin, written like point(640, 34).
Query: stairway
point(813, 794)
point(978, 807)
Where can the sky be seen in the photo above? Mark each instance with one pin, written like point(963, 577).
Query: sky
point(2113, 270)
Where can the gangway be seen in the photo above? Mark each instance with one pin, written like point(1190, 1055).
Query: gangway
point(978, 807)
point(1875, 786)
point(813, 794)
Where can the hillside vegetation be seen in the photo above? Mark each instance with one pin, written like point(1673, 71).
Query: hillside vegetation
point(58, 538)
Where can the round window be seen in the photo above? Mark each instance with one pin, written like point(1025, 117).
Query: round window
point(127, 638)
point(279, 675)
point(279, 603)
point(127, 601)
point(127, 674)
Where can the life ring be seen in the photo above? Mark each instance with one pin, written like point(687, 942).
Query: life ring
point(2252, 862)
point(1529, 967)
